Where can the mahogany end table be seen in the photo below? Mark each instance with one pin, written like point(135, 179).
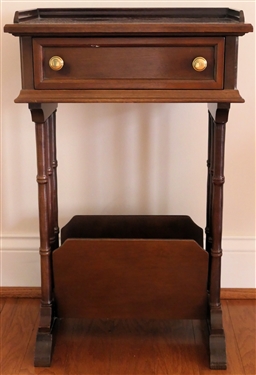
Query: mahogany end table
point(129, 266)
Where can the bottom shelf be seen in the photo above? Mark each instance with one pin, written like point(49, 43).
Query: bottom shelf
point(131, 267)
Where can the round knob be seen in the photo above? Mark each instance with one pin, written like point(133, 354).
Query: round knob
point(56, 63)
point(199, 64)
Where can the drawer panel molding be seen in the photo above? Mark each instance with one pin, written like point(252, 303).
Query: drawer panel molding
point(128, 63)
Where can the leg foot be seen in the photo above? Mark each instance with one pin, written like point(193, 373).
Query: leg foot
point(218, 360)
point(43, 351)
point(217, 342)
point(44, 345)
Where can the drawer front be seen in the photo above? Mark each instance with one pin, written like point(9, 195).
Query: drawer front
point(129, 63)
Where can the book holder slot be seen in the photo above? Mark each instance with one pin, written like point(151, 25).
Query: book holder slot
point(128, 277)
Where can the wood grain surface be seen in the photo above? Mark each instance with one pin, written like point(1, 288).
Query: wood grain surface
point(127, 346)
point(123, 278)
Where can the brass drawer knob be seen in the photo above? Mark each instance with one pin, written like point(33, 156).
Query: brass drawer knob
point(56, 63)
point(199, 64)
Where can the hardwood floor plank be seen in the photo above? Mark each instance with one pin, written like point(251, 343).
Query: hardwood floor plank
point(178, 356)
point(132, 347)
point(135, 348)
point(63, 345)
point(2, 302)
point(27, 365)
point(243, 317)
point(126, 347)
point(235, 366)
point(88, 349)
point(6, 318)
point(7, 314)
point(17, 322)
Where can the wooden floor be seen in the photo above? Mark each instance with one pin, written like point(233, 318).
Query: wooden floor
point(122, 347)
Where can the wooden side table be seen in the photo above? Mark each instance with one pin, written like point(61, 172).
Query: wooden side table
point(129, 266)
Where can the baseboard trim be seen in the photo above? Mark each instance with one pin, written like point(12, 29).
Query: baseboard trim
point(238, 293)
point(20, 292)
point(35, 292)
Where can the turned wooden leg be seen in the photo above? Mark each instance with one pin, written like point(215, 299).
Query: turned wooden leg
point(40, 115)
point(208, 229)
point(218, 120)
point(54, 187)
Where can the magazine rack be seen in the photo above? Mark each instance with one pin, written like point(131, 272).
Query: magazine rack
point(129, 266)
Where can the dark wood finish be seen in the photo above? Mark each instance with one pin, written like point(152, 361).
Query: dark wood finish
point(125, 63)
point(219, 114)
point(130, 226)
point(189, 15)
point(134, 288)
point(200, 25)
point(40, 112)
point(54, 183)
point(174, 21)
point(129, 96)
point(150, 269)
point(26, 60)
point(118, 278)
point(43, 116)
point(218, 117)
point(231, 49)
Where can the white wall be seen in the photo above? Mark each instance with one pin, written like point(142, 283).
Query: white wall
point(127, 158)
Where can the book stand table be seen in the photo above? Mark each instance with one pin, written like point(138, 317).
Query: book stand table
point(129, 266)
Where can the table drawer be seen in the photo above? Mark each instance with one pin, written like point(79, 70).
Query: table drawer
point(129, 63)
